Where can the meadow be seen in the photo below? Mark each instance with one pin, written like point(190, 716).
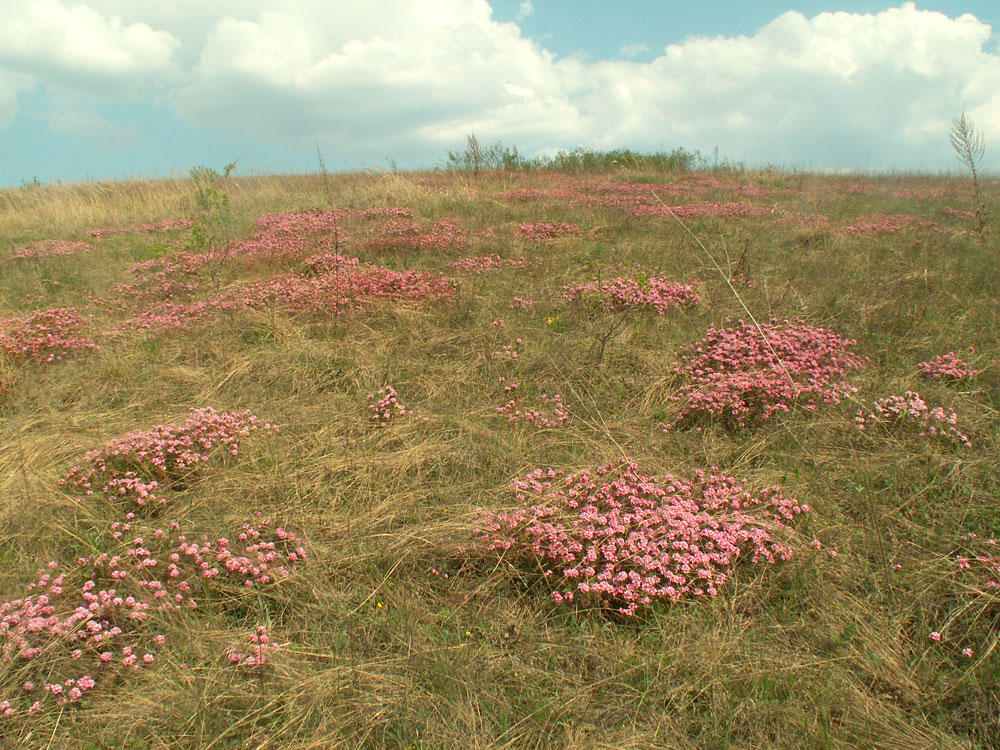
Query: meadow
point(612, 455)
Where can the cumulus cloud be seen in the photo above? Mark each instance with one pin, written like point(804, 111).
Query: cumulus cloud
point(80, 48)
point(524, 10)
point(836, 87)
point(413, 78)
point(420, 72)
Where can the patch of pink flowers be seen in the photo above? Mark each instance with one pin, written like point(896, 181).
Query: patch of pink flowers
point(912, 411)
point(947, 366)
point(50, 248)
point(546, 230)
point(255, 654)
point(920, 193)
point(484, 263)
point(167, 225)
point(408, 235)
point(44, 336)
point(101, 618)
point(622, 293)
point(958, 213)
point(329, 285)
point(742, 374)
point(617, 537)
point(886, 223)
point(530, 416)
point(385, 406)
point(697, 210)
point(131, 469)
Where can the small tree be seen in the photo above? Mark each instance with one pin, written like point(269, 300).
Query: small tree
point(211, 229)
point(969, 146)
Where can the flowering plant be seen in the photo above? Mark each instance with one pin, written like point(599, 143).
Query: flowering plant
point(44, 335)
point(621, 293)
point(132, 468)
point(621, 538)
point(911, 410)
point(947, 366)
point(748, 372)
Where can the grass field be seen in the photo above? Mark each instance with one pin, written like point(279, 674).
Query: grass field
point(341, 546)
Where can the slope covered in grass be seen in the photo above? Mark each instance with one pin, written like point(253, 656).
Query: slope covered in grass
point(629, 459)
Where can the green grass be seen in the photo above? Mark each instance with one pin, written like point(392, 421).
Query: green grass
point(816, 652)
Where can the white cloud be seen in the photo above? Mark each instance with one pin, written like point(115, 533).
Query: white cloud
point(835, 88)
point(79, 48)
point(422, 70)
point(635, 49)
point(524, 10)
point(413, 78)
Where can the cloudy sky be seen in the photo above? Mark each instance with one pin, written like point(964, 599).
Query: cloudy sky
point(114, 88)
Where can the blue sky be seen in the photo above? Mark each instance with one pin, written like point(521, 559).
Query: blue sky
point(113, 88)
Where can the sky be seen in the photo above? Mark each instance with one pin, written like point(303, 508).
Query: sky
point(109, 89)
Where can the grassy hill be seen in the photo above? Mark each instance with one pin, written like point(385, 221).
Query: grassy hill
point(629, 458)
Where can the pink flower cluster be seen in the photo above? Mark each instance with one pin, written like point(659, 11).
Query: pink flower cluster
point(327, 286)
point(102, 618)
point(484, 263)
point(947, 366)
point(509, 350)
point(257, 654)
point(546, 231)
point(44, 335)
point(50, 248)
point(697, 210)
point(622, 293)
point(159, 280)
point(911, 409)
point(920, 193)
point(408, 235)
point(958, 213)
point(887, 223)
point(531, 416)
point(321, 286)
point(617, 537)
point(385, 406)
point(300, 222)
point(323, 264)
point(166, 225)
point(132, 468)
point(742, 374)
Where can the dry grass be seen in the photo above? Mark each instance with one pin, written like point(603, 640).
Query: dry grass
point(378, 651)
